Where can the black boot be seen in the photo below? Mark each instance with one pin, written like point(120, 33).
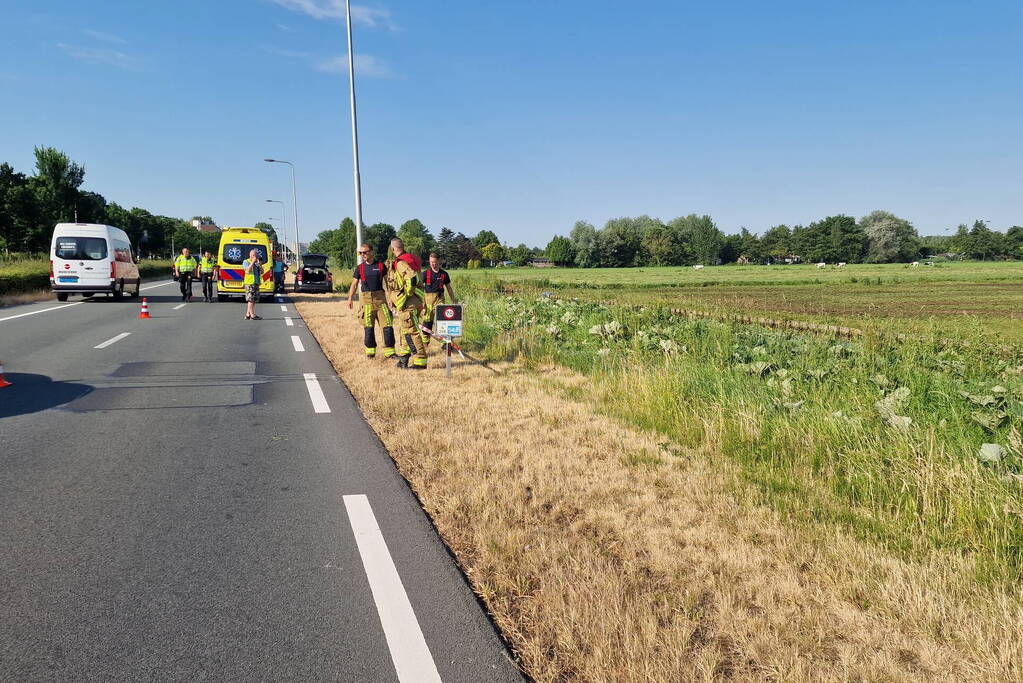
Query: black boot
point(403, 362)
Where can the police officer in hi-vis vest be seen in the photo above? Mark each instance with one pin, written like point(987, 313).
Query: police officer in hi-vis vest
point(373, 302)
point(184, 270)
point(208, 268)
point(435, 281)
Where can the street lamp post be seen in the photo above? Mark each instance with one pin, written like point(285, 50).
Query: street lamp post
point(294, 195)
point(284, 222)
point(355, 128)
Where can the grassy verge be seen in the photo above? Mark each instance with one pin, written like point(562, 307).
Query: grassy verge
point(610, 547)
point(32, 275)
point(912, 445)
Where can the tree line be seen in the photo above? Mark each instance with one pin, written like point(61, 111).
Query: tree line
point(456, 250)
point(879, 237)
point(30, 205)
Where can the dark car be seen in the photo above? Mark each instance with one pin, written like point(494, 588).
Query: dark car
point(313, 274)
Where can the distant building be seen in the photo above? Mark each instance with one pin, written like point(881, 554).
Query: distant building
point(540, 262)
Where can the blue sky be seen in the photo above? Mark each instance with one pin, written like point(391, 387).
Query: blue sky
point(523, 117)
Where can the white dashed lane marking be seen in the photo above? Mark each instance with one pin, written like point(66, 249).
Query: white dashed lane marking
point(179, 306)
point(409, 652)
point(112, 340)
point(284, 308)
point(315, 393)
point(289, 322)
point(297, 343)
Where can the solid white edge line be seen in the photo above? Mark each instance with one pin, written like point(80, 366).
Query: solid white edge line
point(289, 322)
point(112, 340)
point(409, 652)
point(297, 343)
point(316, 393)
point(52, 308)
point(179, 306)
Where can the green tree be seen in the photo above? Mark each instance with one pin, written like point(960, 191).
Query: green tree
point(447, 248)
point(416, 237)
point(776, 243)
point(831, 239)
point(889, 238)
point(57, 182)
point(19, 208)
point(1014, 242)
point(560, 251)
point(492, 252)
point(268, 229)
point(985, 243)
point(519, 255)
point(621, 241)
point(483, 238)
point(378, 236)
point(749, 246)
point(701, 236)
point(584, 243)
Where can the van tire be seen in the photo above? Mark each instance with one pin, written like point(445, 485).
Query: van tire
point(61, 296)
point(138, 288)
point(118, 292)
point(88, 295)
point(221, 298)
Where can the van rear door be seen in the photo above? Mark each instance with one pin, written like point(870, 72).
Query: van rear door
point(82, 261)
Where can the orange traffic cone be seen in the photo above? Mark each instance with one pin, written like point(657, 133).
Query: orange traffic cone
point(144, 315)
point(3, 380)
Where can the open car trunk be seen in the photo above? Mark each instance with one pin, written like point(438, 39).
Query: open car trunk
point(311, 274)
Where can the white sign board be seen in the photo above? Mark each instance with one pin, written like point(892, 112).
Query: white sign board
point(449, 328)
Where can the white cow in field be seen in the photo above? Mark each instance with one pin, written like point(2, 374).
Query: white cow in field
point(822, 265)
point(914, 264)
point(840, 264)
point(698, 266)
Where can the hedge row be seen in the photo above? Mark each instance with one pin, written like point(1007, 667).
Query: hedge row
point(15, 283)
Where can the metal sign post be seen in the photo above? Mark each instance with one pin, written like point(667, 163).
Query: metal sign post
point(449, 326)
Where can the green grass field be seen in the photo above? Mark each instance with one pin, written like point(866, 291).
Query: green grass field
point(913, 443)
point(966, 298)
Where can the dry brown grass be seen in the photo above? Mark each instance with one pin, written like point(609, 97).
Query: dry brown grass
point(26, 297)
point(606, 554)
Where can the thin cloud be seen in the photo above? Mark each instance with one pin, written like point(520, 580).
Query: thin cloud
point(94, 55)
point(104, 36)
point(365, 65)
point(371, 17)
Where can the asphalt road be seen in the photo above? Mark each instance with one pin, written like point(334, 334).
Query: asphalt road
point(173, 507)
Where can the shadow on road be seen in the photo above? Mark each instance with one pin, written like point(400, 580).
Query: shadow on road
point(32, 393)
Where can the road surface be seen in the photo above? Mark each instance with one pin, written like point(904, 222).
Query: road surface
point(197, 497)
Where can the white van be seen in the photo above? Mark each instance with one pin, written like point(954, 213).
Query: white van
point(88, 259)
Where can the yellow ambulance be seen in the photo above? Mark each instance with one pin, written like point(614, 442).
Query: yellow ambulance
point(235, 245)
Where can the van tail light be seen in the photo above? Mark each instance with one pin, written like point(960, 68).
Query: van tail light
point(51, 268)
point(113, 270)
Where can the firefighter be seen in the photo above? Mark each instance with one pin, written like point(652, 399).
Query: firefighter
point(435, 281)
point(373, 302)
point(407, 298)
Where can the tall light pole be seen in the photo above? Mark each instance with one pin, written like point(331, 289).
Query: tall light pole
point(355, 128)
point(294, 195)
point(284, 222)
